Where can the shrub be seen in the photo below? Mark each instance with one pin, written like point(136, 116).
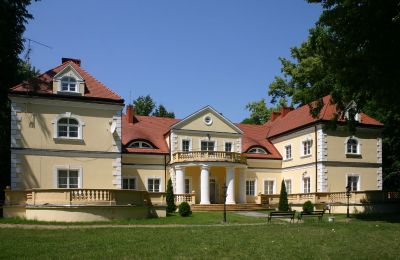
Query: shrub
point(171, 207)
point(308, 206)
point(184, 209)
point(283, 198)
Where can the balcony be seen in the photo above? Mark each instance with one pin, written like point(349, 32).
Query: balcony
point(209, 156)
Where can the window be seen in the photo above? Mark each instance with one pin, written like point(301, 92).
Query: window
point(68, 128)
point(288, 152)
point(352, 180)
point(306, 185)
point(141, 144)
point(257, 150)
point(269, 187)
point(352, 146)
point(129, 183)
point(187, 186)
point(306, 147)
point(68, 84)
point(228, 147)
point(288, 184)
point(207, 145)
point(185, 145)
point(208, 120)
point(68, 179)
point(250, 187)
point(153, 185)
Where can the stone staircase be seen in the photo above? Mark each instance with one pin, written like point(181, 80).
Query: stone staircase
point(234, 207)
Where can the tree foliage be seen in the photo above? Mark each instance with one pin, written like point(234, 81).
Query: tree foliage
point(13, 17)
point(171, 207)
point(145, 106)
point(283, 198)
point(352, 53)
point(259, 112)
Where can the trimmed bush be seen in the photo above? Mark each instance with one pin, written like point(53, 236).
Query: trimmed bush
point(171, 207)
point(184, 209)
point(308, 206)
point(283, 198)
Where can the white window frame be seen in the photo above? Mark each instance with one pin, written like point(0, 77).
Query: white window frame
point(141, 142)
point(190, 144)
point(257, 150)
point(354, 175)
point(228, 142)
point(302, 147)
point(255, 186)
point(206, 140)
point(285, 152)
point(273, 186)
point(303, 182)
point(155, 177)
point(130, 178)
point(189, 178)
point(68, 115)
point(358, 146)
point(291, 185)
point(67, 168)
point(77, 84)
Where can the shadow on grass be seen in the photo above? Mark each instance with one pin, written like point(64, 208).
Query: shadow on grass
point(389, 217)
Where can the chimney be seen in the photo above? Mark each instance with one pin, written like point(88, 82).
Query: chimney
point(130, 114)
point(76, 61)
point(286, 110)
point(275, 115)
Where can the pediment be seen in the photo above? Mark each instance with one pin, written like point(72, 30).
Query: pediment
point(68, 71)
point(207, 119)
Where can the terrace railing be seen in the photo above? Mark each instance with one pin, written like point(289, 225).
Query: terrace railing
point(187, 197)
point(214, 156)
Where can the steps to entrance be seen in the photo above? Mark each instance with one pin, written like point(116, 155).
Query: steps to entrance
point(234, 207)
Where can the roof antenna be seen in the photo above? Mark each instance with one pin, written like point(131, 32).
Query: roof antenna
point(29, 50)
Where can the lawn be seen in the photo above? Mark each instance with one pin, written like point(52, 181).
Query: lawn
point(356, 239)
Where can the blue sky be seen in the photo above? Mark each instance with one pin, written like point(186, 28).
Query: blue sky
point(186, 54)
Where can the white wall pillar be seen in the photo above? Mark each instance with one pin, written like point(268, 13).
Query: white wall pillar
point(205, 185)
point(180, 179)
point(230, 185)
point(242, 186)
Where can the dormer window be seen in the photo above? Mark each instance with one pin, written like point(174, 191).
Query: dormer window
point(69, 84)
point(258, 150)
point(141, 144)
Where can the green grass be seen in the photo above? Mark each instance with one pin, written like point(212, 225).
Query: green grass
point(197, 218)
point(357, 239)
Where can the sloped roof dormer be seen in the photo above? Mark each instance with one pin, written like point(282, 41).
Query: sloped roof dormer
point(68, 81)
point(209, 120)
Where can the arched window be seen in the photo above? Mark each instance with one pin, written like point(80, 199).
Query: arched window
point(141, 144)
point(258, 150)
point(352, 146)
point(68, 84)
point(68, 128)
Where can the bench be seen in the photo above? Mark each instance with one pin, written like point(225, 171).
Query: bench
point(317, 214)
point(281, 214)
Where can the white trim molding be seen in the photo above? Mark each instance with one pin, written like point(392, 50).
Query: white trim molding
point(379, 179)
point(117, 134)
point(359, 144)
point(322, 174)
point(68, 115)
point(379, 150)
point(15, 126)
point(16, 170)
point(322, 144)
point(154, 177)
point(356, 175)
point(117, 173)
point(273, 179)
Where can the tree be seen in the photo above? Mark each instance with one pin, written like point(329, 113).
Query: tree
point(283, 198)
point(145, 106)
point(13, 17)
point(171, 207)
point(161, 111)
point(352, 53)
point(260, 113)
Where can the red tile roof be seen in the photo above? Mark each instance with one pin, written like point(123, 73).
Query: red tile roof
point(43, 84)
point(301, 117)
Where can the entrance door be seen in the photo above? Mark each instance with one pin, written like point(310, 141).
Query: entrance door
point(213, 188)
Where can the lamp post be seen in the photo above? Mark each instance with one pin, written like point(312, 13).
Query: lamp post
point(224, 193)
point(348, 194)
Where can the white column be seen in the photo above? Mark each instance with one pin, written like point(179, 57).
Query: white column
point(242, 186)
point(230, 185)
point(180, 179)
point(205, 185)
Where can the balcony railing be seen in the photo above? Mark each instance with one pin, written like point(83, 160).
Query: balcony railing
point(213, 156)
point(95, 197)
point(189, 198)
point(356, 197)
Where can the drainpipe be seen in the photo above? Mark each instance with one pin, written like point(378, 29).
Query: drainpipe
point(316, 159)
point(165, 172)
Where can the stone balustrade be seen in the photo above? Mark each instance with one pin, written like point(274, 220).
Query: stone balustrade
point(187, 197)
point(209, 156)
